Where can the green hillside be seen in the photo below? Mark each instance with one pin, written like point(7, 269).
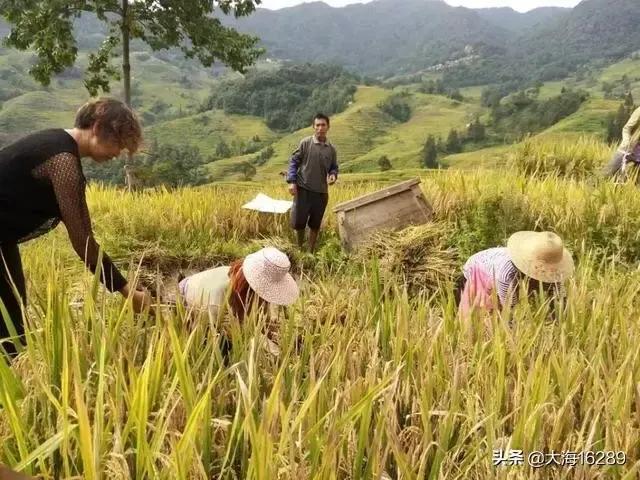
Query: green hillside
point(491, 157)
point(34, 111)
point(588, 120)
point(352, 132)
point(206, 130)
point(363, 133)
point(160, 90)
point(168, 95)
point(403, 143)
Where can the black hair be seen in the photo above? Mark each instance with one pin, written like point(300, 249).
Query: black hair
point(321, 116)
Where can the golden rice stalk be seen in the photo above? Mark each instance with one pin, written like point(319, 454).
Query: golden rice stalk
point(418, 255)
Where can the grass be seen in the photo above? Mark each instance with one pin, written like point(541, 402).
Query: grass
point(35, 107)
point(491, 157)
point(589, 119)
point(403, 143)
point(207, 130)
point(371, 381)
point(551, 89)
point(34, 110)
point(581, 158)
point(353, 131)
point(593, 82)
point(362, 134)
point(628, 67)
point(473, 94)
point(377, 377)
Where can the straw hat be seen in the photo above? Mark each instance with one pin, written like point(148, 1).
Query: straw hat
point(267, 272)
point(541, 256)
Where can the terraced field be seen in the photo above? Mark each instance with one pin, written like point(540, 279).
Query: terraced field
point(207, 130)
point(363, 133)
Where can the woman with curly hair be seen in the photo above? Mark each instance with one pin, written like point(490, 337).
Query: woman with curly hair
point(42, 183)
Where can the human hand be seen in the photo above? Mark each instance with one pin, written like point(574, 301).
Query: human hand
point(140, 299)
point(293, 189)
point(630, 158)
point(332, 179)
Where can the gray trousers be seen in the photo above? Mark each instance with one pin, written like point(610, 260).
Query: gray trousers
point(614, 167)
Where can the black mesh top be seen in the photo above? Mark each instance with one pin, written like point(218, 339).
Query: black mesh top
point(41, 183)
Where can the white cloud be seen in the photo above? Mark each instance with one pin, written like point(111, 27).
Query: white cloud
point(520, 5)
point(275, 4)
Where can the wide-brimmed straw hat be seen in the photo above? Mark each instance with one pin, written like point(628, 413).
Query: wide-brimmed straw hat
point(267, 272)
point(541, 256)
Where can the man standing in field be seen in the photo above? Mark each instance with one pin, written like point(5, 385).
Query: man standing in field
point(312, 167)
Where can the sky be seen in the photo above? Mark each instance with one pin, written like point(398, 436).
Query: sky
point(520, 5)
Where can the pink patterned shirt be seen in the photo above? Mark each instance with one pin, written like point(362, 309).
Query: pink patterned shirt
point(496, 263)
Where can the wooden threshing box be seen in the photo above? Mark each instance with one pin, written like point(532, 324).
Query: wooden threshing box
point(393, 208)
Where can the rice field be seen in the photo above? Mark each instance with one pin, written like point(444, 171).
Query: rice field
point(376, 376)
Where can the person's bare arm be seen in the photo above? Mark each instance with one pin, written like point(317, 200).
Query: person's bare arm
point(69, 185)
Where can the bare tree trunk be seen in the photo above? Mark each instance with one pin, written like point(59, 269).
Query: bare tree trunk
point(126, 63)
point(126, 77)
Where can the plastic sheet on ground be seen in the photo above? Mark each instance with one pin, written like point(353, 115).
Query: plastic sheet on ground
point(264, 203)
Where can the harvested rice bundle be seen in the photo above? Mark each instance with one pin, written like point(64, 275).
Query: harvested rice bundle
point(418, 256)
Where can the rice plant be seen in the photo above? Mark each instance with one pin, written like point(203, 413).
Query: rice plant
point(373, 380)
point(575, 158)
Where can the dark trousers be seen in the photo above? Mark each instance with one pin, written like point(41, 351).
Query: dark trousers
point(458, 288)
point(11, 275)
point(308, 209)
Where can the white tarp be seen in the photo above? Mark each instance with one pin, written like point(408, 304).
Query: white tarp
point(263, 203)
